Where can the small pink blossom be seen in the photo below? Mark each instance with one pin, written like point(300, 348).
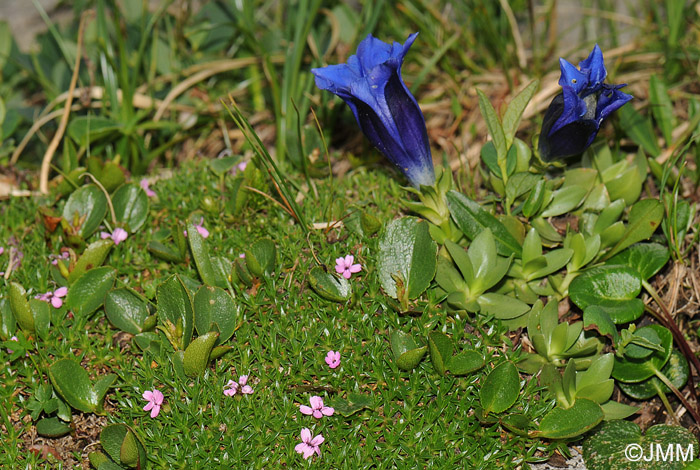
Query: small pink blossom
point(55, 297)
point(200, 228)
point(240, 167)
point(346, 267)
point(54, 258)
point(242, 255)
point(308, 445)
point(155, 400)
point(2, 250)
point(316, 409)
point(145, 186)
point(333, 359)
point(232, 386)
point(118, 236)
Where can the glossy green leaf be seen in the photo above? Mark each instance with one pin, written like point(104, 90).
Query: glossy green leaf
point(596, 317)
point(175, 307)
point(261, 257)
point(20, 307)
point(328, 286)
point(500, 388)
point(88, 292)
point(200, 253)
point(72, 383)
point(565, 200)
point(93, 257)
point(465, 362)
point(645, 258)
point(613, 288)
point(631, 370)
point(407, 258)
point(7, 319)
point(197, 353)
point(221, 165)
point(502, 306)
point(215, 310)
point(130, 206)
point(472, 220)
point(561, 423)
point(644, 218)
point(123, 445)
point(85, 209)
point(534, 200)
point(164, 252)
point(609, 448)
point(407, 354)
point(126, 311)
point(41, 311)
point(515, 110)
point(440, 346)
point(493, 123)
point(52, 427)
point(676, 370)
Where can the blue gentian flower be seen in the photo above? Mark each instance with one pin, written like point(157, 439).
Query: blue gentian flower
point(575, 115)
point(387, 113)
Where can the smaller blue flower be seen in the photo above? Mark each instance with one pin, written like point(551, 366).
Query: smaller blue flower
point(387, 113)
point(575, 115)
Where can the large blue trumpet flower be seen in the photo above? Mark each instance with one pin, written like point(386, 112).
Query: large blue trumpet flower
point(575, 115)
point(387, 113)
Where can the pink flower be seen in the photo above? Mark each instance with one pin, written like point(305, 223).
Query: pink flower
point(240, 167)
point(118, 236)
point(316, 409)
point(2, 250)
point(308, 445)
point(345, 267)
point(333, 359)
point(200, 228)
point(145, 186)
point(155, 400)
point(232, 386)
point(54, 258)
point(54, 297)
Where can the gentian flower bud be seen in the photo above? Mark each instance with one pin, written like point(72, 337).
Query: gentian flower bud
point(387, 113)
point(575, 115)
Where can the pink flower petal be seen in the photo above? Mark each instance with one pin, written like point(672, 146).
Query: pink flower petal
point(339, 269)
point(243, 379)
point(60, 292)
point(318, 414)
point(316, 402)
point(327, 411)
point(317, 441)
point(148, 406)
point(349, 259)
point(155, 411)
point(56, 302)
point(104, 235)
point(119, 235)
point(147, 395)
point(346, 274)
point(355, 268)
point(305, 410)
point(202, 231)
point(247, 390)
point(305, 435)
point(158, 397)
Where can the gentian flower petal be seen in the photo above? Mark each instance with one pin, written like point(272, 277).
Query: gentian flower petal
point(386, 111)
point(575, 115)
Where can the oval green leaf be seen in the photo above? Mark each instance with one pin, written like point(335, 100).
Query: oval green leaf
point(676, 370)
point(215, 310)
point(630, 370)
point(175, 306)
point(561, 423)
point(93, 257)
point(440, 346)
point(87, 206)
point(20, 307)
point(407, 258)
point(645, 258)
point(126, 311)
point(197, 354)
point(328, 286)
point(87, 294)
point(500, 389)
point(73, 384)
point(465, 363)
point(130, 206)
point(613, 288)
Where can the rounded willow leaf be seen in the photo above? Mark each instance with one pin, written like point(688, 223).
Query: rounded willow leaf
point(130, 206)
point(175, 306)
point(637, 351)
point(502, 306)
point(565, 423)
point(52, 427)
point(465, 363)
point(202, 259)
point(215, 310)
point(42, 317)
point(87, 294)
point(676, 370)
point(197, 354)
point(328, 286)
point(73, 384)
point(630, 370)
point(85, 209)
point(410, 359)
point(440, 346)
point(645, 258)
point(517, 423)
point(500, 389)
point(123, 445)
point(407, 354)
point(93, 257)
point(126, 311)
point(613, 288)
point(565, 200)
point(261, 257)
point(221, 165)
point(20, 307)
point(407, 258)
